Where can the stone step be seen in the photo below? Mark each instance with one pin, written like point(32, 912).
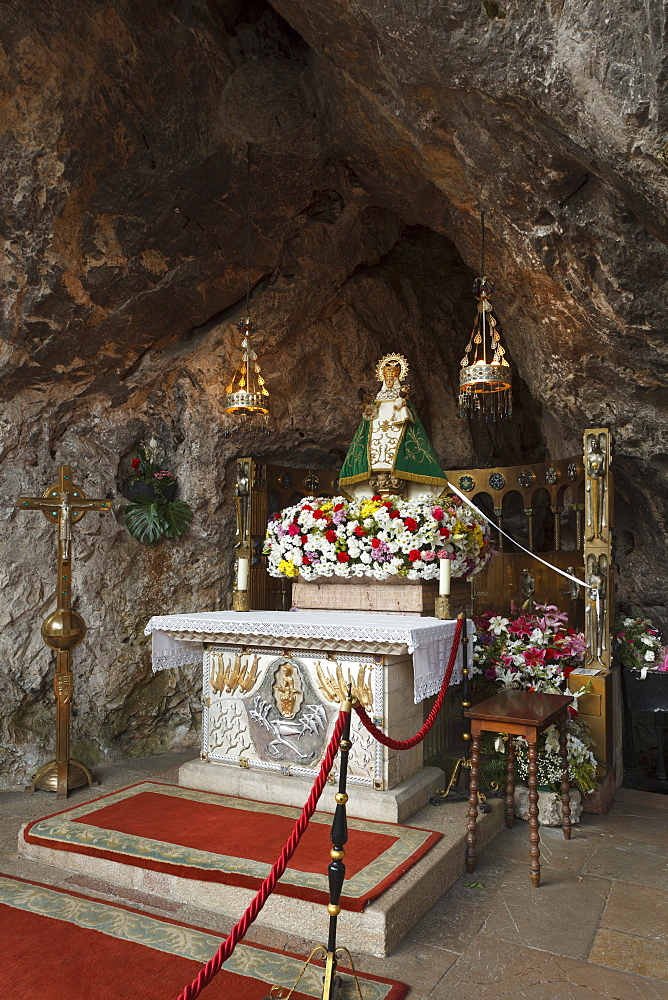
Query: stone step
point(377, 930)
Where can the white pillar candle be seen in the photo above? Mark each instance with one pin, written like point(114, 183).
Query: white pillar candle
point(444, 578)
point(242, 573)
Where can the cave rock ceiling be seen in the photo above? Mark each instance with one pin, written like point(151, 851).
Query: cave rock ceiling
point(377, 133)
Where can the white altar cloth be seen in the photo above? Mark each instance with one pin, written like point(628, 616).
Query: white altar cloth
point(177, 639)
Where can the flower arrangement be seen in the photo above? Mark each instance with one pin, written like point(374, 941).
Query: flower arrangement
point(581, 761)
point(377, 537)
point(639, 644)
point(153, 512)
point(536, 652)
point(145, 468)
point(531, 652)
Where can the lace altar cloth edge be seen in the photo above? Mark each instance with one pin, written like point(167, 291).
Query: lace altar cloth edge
point(429, 640)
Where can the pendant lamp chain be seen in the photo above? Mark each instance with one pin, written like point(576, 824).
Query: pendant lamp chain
point(247, 394)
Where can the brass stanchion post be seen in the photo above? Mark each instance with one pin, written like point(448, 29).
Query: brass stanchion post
point(462, 767)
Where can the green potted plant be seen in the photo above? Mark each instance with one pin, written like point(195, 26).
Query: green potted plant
point(153, 511)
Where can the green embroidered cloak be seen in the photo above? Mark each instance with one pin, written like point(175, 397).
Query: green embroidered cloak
point(415, 459)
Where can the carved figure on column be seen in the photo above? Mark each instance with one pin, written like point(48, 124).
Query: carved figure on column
point(528, 588)
point(596, 486)
point(596, 612)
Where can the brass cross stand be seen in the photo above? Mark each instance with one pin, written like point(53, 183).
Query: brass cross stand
point(63, 504)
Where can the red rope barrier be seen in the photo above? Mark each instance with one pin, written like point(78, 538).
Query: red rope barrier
point(208, 971)
point(431, 718)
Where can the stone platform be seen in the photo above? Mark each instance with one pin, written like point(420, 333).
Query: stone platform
point(377, 930)
point(395, 805)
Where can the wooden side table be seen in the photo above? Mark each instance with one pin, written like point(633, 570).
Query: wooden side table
point(527, 714)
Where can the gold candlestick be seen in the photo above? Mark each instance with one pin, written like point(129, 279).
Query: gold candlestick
point(63, 504)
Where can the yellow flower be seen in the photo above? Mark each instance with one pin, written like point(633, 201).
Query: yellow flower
point(368, 508)
point(287, 567)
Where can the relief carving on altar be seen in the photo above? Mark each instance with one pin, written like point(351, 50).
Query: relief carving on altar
point(228, 729)
point(287, 719)
point(334, 686)
point(230, 675)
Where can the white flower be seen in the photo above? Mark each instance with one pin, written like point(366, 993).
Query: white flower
point(650, 656)
point(647, 639)
point(497, 624)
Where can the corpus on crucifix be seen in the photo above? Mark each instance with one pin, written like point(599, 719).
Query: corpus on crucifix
point(63, 504)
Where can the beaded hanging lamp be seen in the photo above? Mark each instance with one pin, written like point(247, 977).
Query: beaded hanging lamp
point(247, 394)
point(485, 385)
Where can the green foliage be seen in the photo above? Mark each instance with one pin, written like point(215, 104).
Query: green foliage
point(147, 520)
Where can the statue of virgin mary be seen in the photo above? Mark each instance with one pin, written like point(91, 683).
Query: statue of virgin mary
point(390, 453)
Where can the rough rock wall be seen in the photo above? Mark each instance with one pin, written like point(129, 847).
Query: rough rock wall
point(377, 131)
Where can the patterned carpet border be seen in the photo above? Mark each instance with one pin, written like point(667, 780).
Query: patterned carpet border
point(61, 831)
point(169, 936)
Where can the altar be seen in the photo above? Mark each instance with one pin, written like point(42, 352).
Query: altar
point(271, 686)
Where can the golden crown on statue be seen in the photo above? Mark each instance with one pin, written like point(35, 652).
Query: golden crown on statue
point(393, 361)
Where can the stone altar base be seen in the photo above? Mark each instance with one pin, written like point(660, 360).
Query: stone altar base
point(393, 806)
point(377, 930)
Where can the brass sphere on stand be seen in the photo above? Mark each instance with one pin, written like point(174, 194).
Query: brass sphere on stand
point(63, 630)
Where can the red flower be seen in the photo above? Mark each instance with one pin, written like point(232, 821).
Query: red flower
point(293, 529)
point(444, 532)
point(343, 557)
point(377, 498)
point(394, 513)
point(388, 504)
point(338, 506)
point(307, 506)
point(414, 555)
point(304, 539)
point(572, 711)
point(330, 535)
point(568, 671)
point(360, 531)
point(319, 514)
point(135, 463)
point(306, 561)
point(375, 543)
point(410, 523)
point(438, 513)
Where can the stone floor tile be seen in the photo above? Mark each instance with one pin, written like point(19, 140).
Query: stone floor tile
point(633, 822)
point(645, 956)
point(651, 800)
point(632, 861)
point(458, 916)
point(489, 970)
point(561, 916)
point(638, 910)
point(555, 851)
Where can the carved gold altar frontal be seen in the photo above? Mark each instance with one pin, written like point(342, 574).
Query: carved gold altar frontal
point(274, 710)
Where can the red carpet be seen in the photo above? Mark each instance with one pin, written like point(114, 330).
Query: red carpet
point(221, 838)
point(58, 945)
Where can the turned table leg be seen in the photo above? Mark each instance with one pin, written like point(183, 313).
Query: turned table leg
point(565, 780)
point(473, 804)
point(534, 840)
point(510, 783)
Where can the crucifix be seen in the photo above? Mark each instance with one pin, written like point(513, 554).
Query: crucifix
point(63, 504)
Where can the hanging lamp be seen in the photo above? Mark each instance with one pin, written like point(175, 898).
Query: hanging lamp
point(247, 395)
point(485, 384)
